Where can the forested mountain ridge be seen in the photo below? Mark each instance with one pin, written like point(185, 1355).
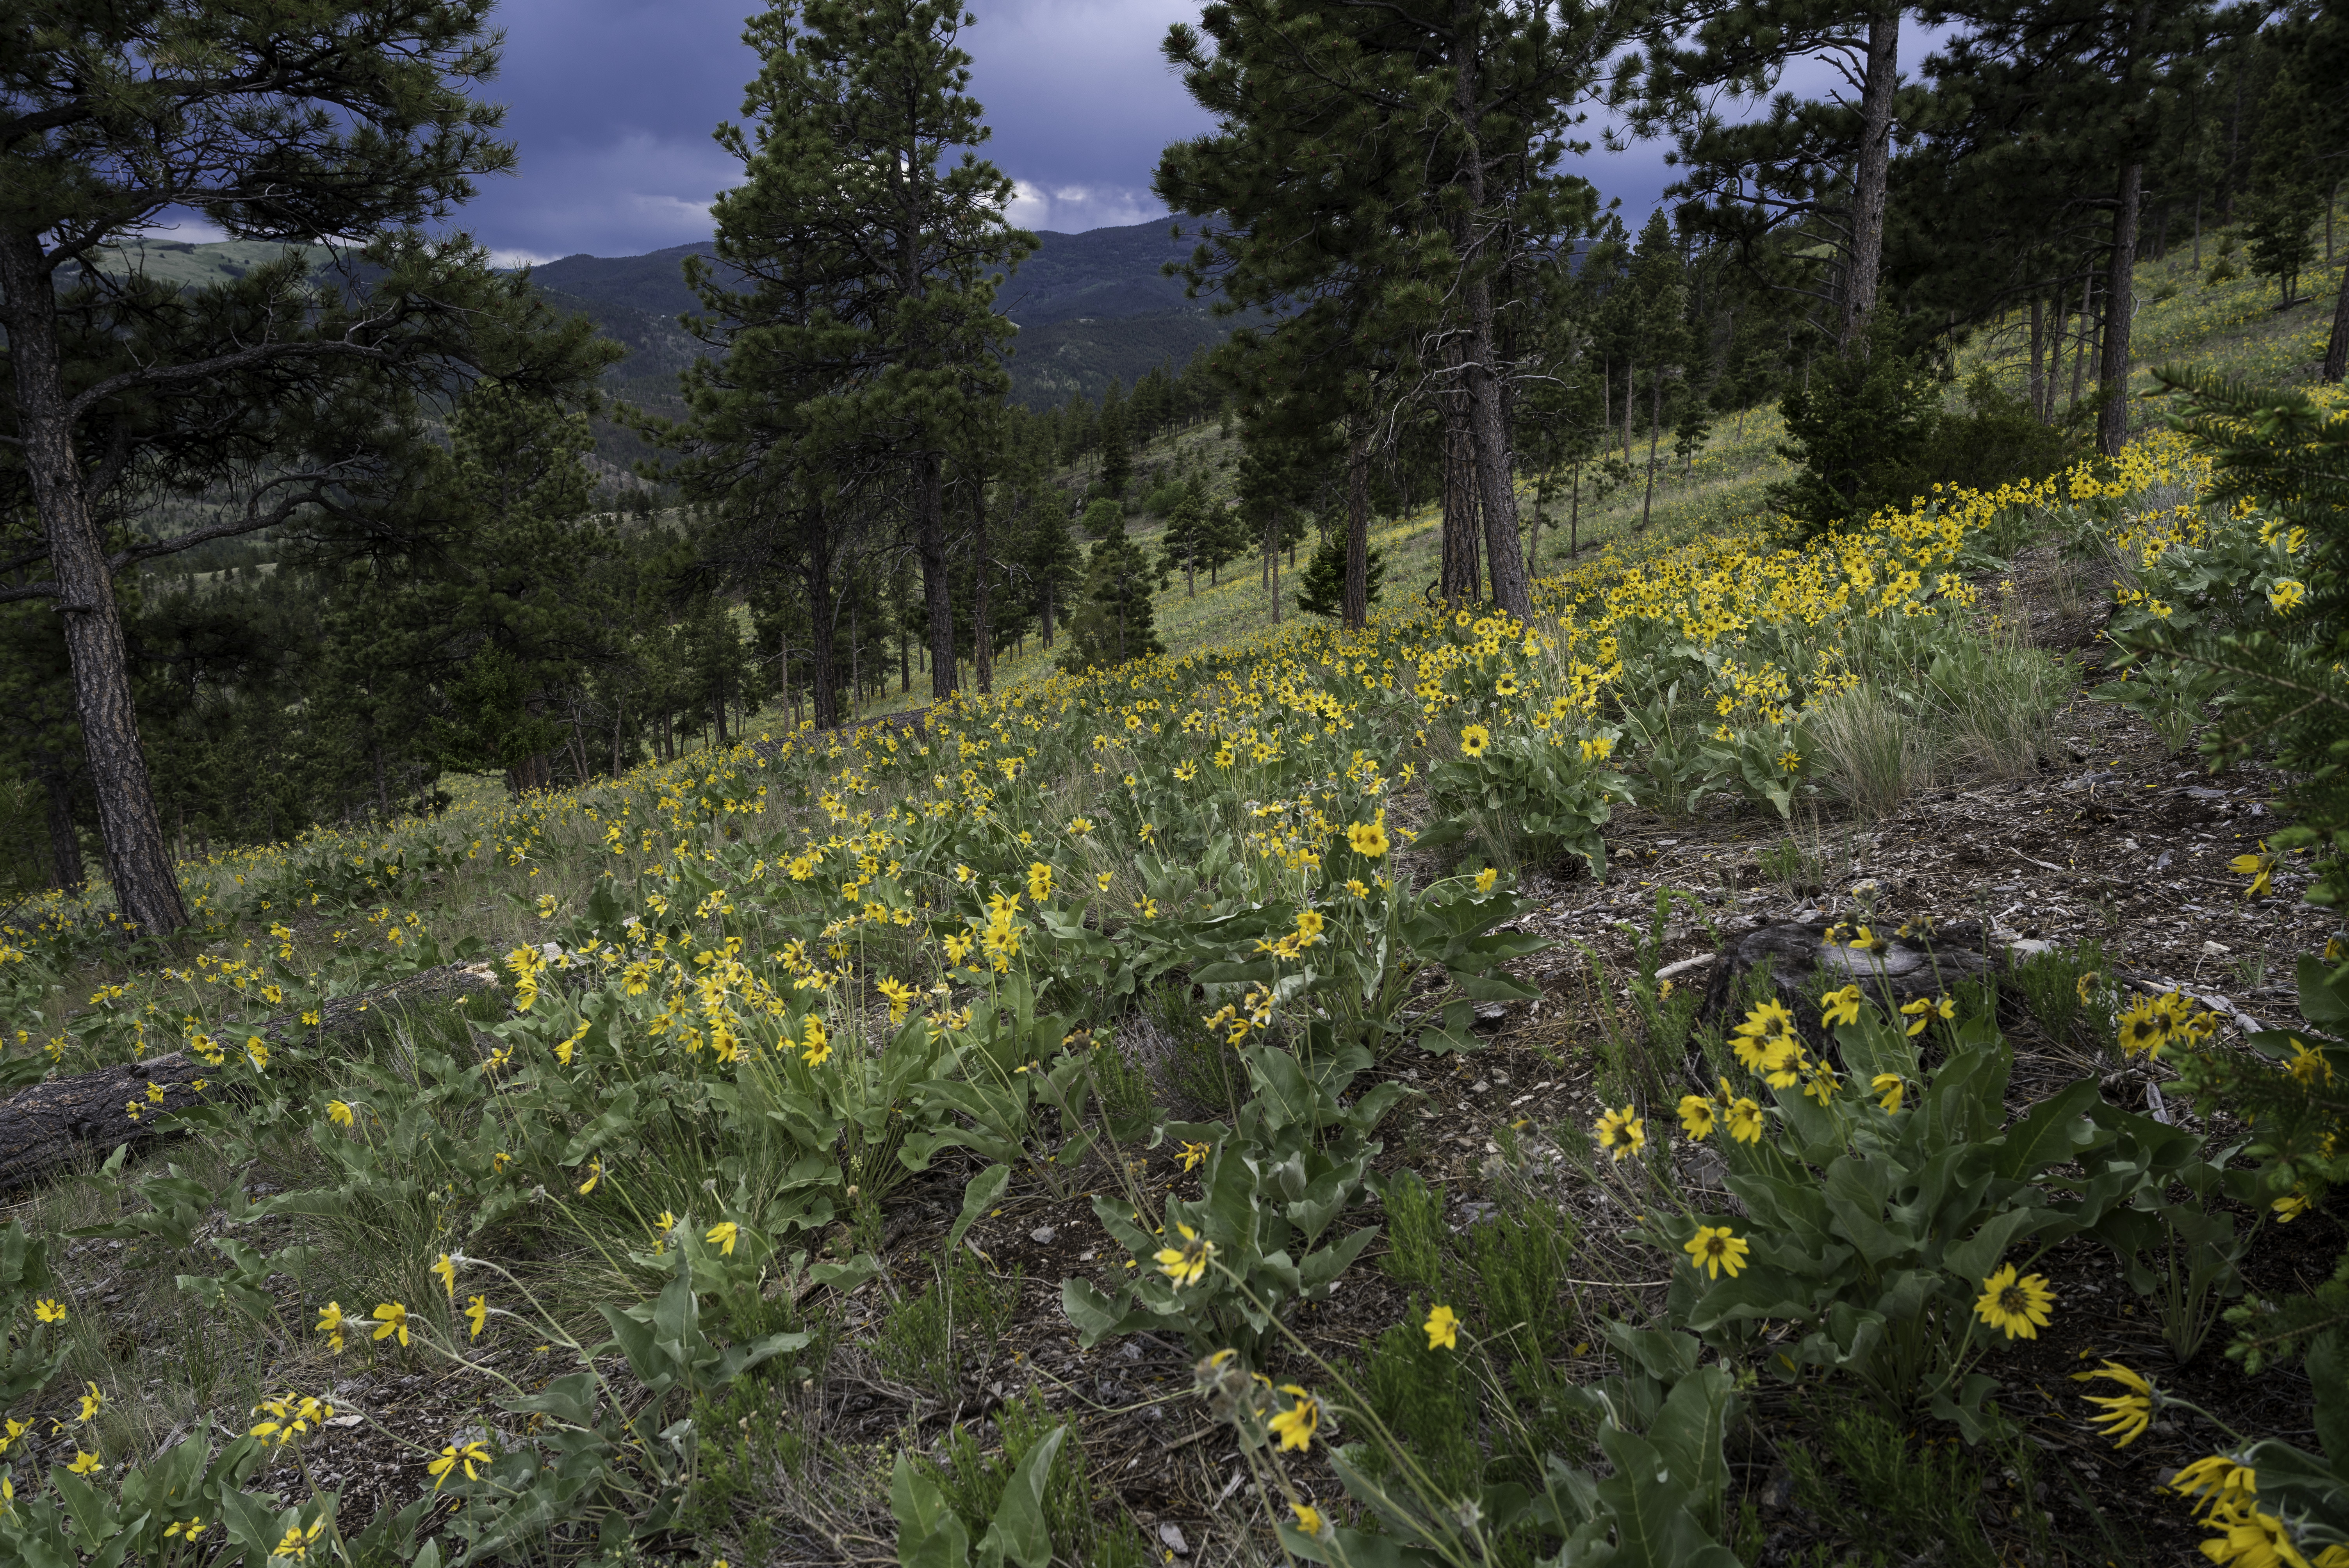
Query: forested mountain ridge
point(1090, 307)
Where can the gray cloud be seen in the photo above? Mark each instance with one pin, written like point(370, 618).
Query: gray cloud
point(612, 102)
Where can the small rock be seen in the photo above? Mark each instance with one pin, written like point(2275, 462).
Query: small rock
point(1042, 1235)
point(1170, 1535)
point(2216, 947)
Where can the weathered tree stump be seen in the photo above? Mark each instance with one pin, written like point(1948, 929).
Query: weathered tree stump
point(1798, 957)
point(47, 1126)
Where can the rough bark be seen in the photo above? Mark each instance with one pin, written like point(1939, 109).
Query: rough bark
point(2080, 348)
point(1459, 547)
point(1871, 179)
point(137, 857)
point(2038, 357)
point(823, 677)
point(1795, 956)
point(1655, 433)
point(982, 642)
point(1496, 495)
point(2112, 420)
point(65, 845)
point(49, 1127)
point(929, 507)
point(2336, 347)
point(1357, 600)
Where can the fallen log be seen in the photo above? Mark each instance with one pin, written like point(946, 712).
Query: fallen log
point(50, 1125)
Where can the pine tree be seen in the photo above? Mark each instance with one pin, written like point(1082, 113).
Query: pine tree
point(2289, 184)
point(336, 118)
point(1657, 296)
point(1184, 543)
point(1753, 175)
point(1412, 222)
point(1116, 456)
point(868, 258)
point(1114, 621)
point(1053, 564)
point(1322, 590)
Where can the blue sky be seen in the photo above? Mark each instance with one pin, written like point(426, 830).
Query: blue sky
point(612, 102)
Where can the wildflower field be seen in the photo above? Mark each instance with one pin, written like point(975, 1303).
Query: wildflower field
point(693, 1231)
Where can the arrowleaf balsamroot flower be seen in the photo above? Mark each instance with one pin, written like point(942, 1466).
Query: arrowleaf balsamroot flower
point(1697, 1115)
point(477, 1313)
point(391, 1318)
point(1889, 1088)
point(1621, 1132)
point(1840, 1006)
point(446, 1270)
point(2017, 1307)
point(1187, 1263)
point(2127, 1415)
point(1368, 839)
point(1296, 1426)
point(1744, 1120)
point(723, 1235)
point(2219, 1482)
point(1925, 1009)
point(2261, 868)
point(452, 1458)
point(50, 1310)
point(330, 1324)
point(1443, 1327)
point(1717, 1251)
point(2143, 1028)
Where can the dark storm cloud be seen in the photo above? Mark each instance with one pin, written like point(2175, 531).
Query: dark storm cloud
point(611, 104)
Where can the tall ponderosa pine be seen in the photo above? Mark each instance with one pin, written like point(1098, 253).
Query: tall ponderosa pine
point(870, 255)
point(2082, 88)
point(282, 400)
point(1822, 166)
point(1399, 160)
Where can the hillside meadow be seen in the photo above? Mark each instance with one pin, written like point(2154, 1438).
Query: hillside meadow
point(1243, 1102)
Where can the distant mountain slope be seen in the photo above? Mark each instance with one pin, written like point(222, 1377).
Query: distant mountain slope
point(1089, 306)
point(1110, 272)
point(653, 284)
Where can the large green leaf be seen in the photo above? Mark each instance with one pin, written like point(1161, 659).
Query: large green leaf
point(929, 1535)
point(1018, 1530)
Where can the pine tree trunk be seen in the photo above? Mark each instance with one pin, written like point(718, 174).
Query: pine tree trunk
point(1655, 432)
point(982, 646)
point(929, 505)
point(2038, 344)
point(823, 677)
point(2112, 421)
point(2080, 345)
point(1356, 604)
point(64, 846)
point(2336, 347)
point(1870, 179)
point(1574, 519)
point(1458, 569)
point(137, 857)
